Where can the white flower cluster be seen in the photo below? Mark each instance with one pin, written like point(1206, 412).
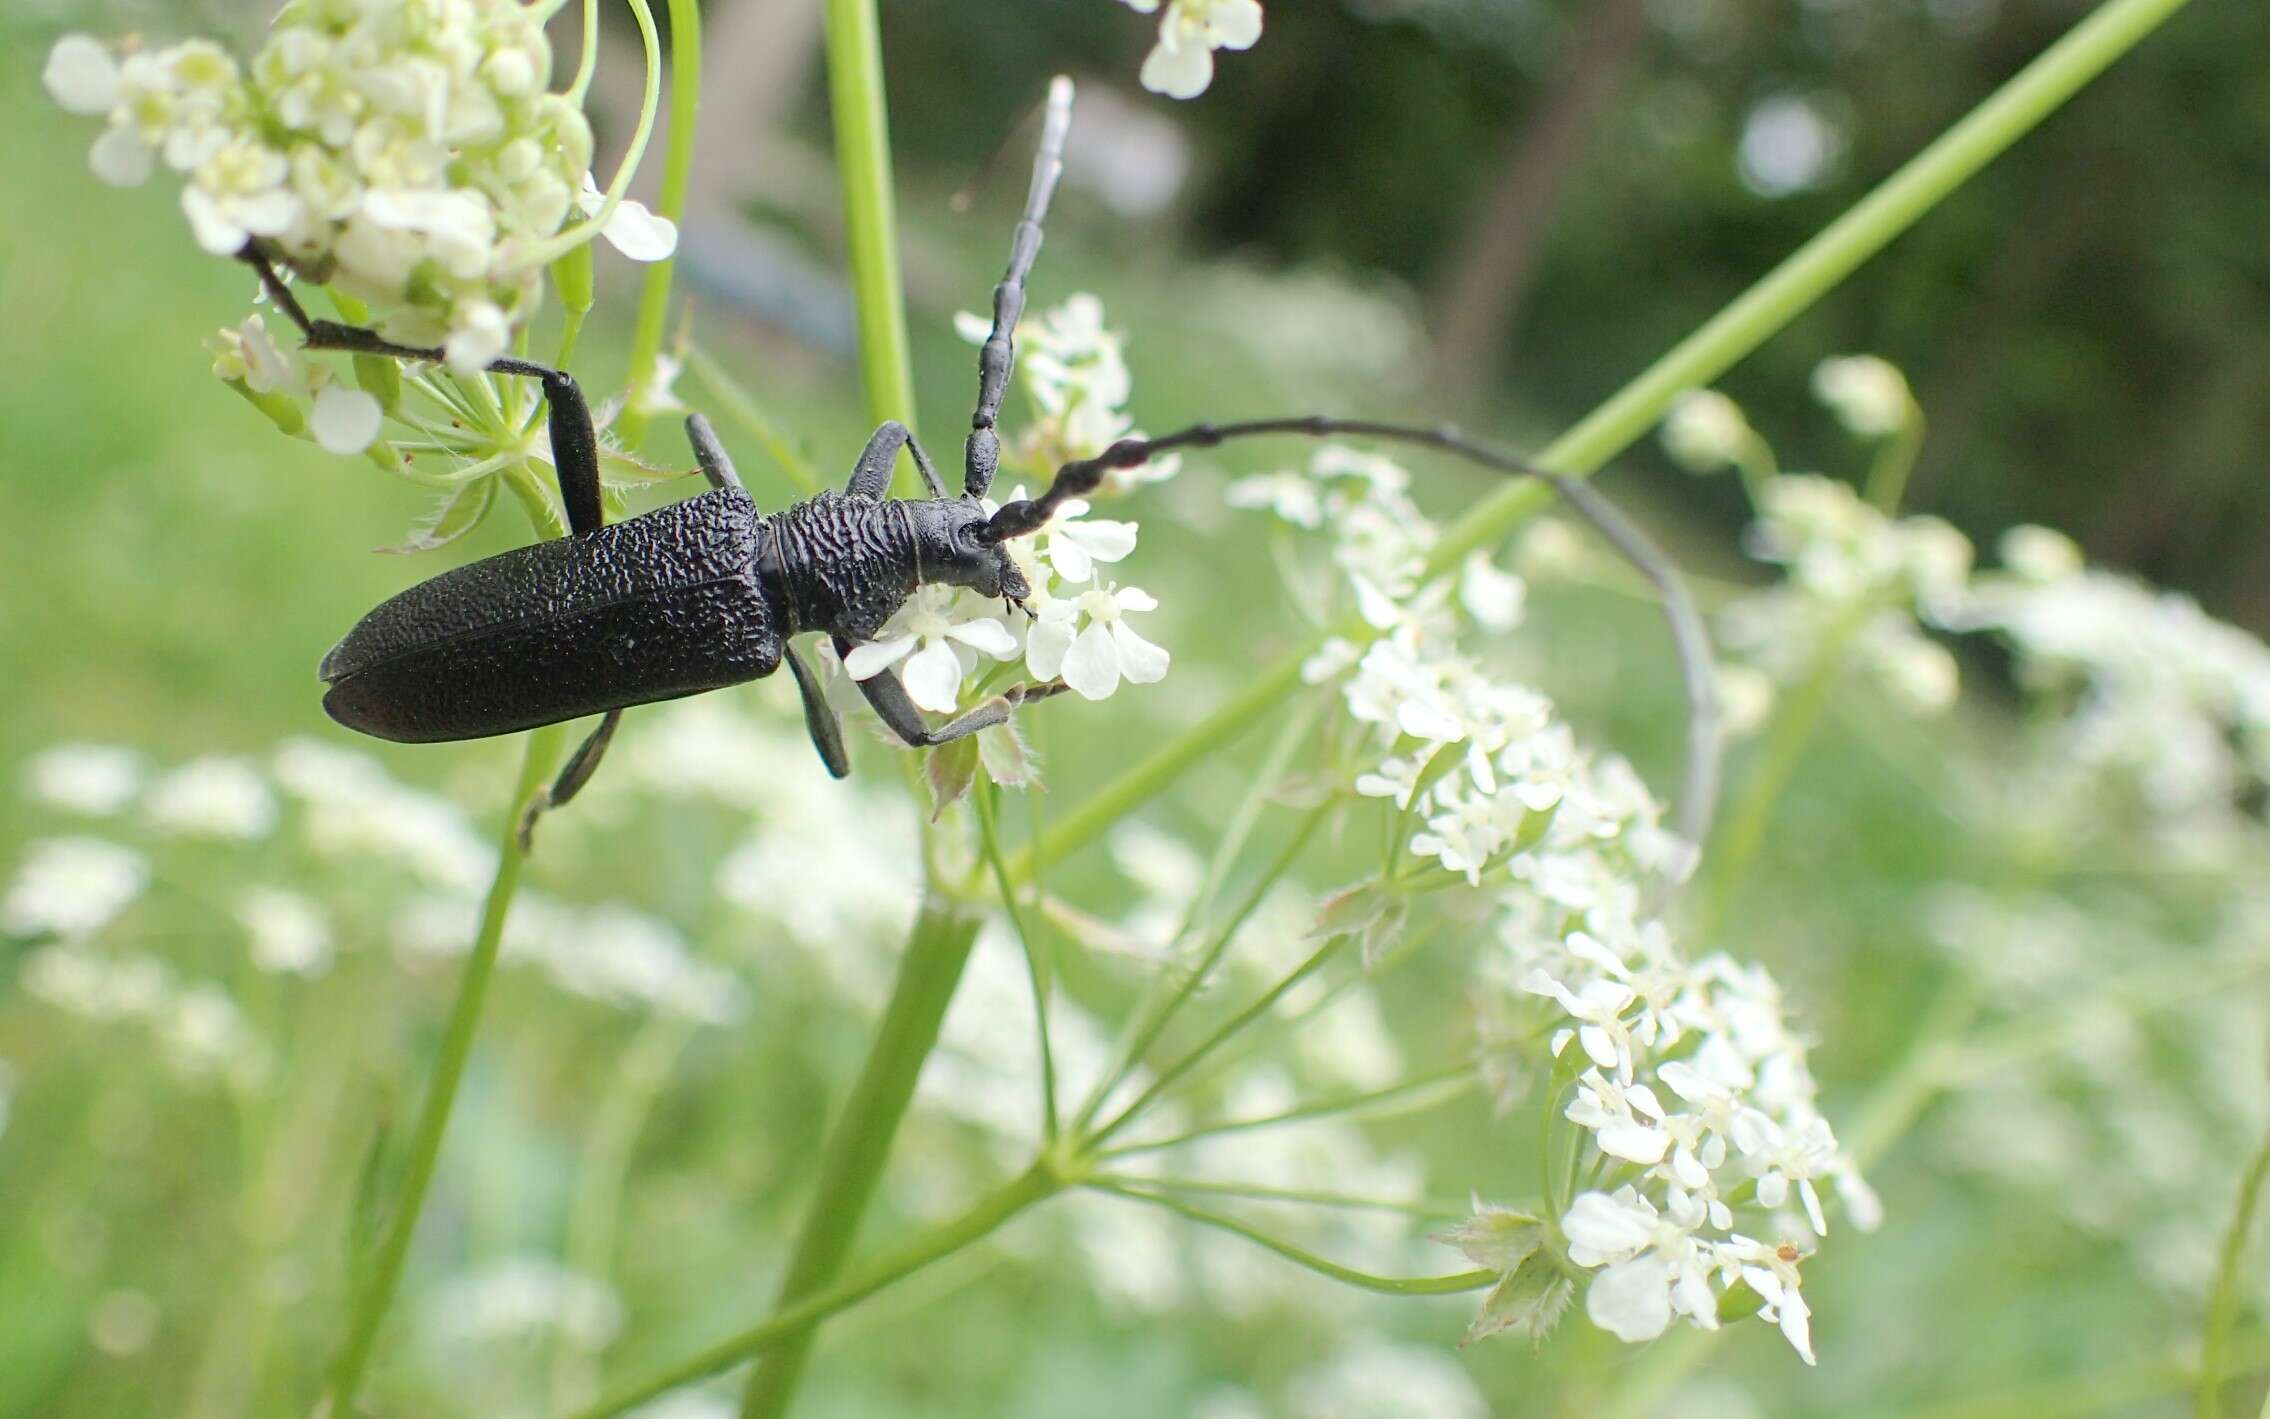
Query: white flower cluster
point(1694, 1089)
point(71, 888)
point(2161, 705)
point(1077, 626)
point(610, 953)
point(197, 1026)
point(1852, 572)
point(1181, 64)
point(404, 151)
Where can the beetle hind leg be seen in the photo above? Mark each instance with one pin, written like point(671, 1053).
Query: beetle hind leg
point(573, 776)
point(904, 718)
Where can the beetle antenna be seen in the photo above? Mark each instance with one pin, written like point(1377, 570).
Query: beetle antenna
point(998, 357)
point(1697, 672)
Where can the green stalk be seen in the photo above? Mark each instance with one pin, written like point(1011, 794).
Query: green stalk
point(1301, 1256)
point(896, 1265)
point(541, 753)
point(1754, 317)
point(863, 158)
point(2222, 1310)
point(852, 1162)
point(677, 169)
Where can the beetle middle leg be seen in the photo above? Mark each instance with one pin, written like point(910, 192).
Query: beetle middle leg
point(573, 776)
point(904, 718)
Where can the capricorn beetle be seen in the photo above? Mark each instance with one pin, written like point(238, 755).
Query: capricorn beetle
point(708, 592)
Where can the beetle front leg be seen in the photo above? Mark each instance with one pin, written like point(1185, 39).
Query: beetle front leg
point(871, 476)
point(901, 715)
point(819, 717)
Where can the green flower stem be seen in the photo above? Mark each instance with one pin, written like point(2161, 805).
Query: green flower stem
point(1258, 1192)
point(2222, 1310)
point(852, 1162)
point(1153, 1021)
point(650, 102)
point(863, 157)
point(1420, 1091)
point(1887, 476)
point(1385, 1285)
point(1039, 969)
point(1228, 1029)
point(677, 169)
point(537, 760)
point(1755, 316)
point(893, 1266)
point(1792, 729)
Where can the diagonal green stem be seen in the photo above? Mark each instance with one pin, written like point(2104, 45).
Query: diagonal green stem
point(543, 750)
point(1754, 317)
point(852, 1162)
point(1301, 1256)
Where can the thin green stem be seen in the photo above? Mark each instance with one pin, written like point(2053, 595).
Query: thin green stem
point(541, 752)
point(2222, 1309)
point(650, 103)
point(1887, 476)
point(1422, 1091)
point(1228, 1029)
point(851, 1164)
point(677, 170)
point(1301, 1256)
point(1259, 1192)
point(863, 159)
point(1153, 1022)
point(587, 62)
point(1037, 968)
point(895, 1265)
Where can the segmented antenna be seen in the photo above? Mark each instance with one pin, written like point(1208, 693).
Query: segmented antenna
point(999, 355)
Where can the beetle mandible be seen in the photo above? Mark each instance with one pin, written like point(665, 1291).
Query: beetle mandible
point(708, 592)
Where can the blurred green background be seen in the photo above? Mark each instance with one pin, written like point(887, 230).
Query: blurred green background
point(1496, 211)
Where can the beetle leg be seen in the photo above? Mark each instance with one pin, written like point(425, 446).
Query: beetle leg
point(871, 476)
point(575, 440)
point(904, 718)
point(716, 464)
point(819, 716)
point(580, 766)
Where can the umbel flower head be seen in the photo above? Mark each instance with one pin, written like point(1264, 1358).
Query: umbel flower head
point(405, 152)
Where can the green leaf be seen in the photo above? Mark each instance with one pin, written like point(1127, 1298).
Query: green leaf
point(457, 514)
point(1496, 1238)
point(1529, 1301)
point(950, 770)
point(1372, 912)
point(620, 469)
point(1008, 760)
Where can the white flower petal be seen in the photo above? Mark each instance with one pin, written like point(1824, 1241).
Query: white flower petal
point(1091, 666)
point(1139, 660)
point(867, 661)
point(1631, 1300)
point(934, 677)
point(987, 635)
point(1234, 24)
point(81, 75)
point(345, 420)
point(120, 157)
point(639, 233)
point(1178, 71)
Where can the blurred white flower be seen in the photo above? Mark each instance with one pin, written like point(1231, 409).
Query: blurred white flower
point(933, 647)
point(212, 797)
point(344, 420)
point(1095, 659)
point(1370, 1378)
point(1868, 395)
point(520, 1297)
point(2040, 554)
point(288, 931)
point(81, 76)
point(1181, 64)
point(92, 779)
point(71, 887)
point(1705, 432)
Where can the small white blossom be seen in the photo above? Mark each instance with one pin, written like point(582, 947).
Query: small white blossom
point(1181, 64)
point(1094, 659)
point(212, 797)
point(632, 229)
point(81, 76)
point(93, 779)
point(1868, 395)
point(1705, 432)
point(288, 931)
point(933, 647)
point(344, 420)
point(71, 887)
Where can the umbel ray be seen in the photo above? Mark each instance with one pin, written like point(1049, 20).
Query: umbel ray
point(710, 592)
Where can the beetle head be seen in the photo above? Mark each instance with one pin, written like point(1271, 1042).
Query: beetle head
point(951, 547)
